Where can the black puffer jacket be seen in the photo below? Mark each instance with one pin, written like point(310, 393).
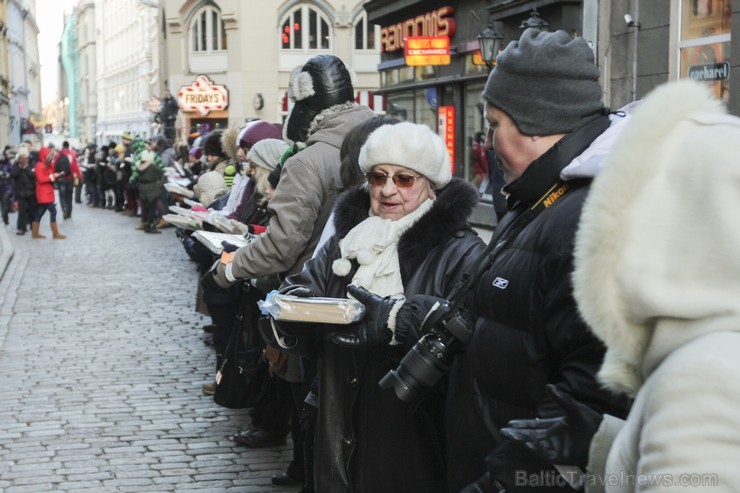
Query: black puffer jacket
point(368, 441)
point(528, 332)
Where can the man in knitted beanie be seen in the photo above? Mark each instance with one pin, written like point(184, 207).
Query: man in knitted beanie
point(550, 132)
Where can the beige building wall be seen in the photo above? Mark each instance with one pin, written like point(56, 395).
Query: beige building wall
point(253, 65)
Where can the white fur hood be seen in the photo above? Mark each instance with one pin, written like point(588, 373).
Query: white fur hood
point(658, 248)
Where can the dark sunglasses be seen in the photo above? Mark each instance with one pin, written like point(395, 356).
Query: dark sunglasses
point(401, 180)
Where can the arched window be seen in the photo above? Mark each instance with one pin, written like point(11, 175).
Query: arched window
point(207, 31)
point(305, 28)
point(207, 41)
point(364, 33)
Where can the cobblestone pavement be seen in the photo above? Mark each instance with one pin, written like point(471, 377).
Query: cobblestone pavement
point(101, 364)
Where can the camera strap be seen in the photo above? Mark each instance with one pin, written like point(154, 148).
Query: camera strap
point(484, 262)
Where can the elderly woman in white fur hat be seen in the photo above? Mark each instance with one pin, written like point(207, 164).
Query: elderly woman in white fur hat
point(401, 233)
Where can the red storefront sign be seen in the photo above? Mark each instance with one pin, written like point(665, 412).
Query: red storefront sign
point(446, 130)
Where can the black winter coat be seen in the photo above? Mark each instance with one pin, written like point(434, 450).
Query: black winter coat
point(24, 181)
point(528, 332)
point(367, 440)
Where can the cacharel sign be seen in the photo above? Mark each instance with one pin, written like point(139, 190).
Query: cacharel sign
point(710, 71)
point(203, 96)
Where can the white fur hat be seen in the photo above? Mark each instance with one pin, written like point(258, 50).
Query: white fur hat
point(412, 146)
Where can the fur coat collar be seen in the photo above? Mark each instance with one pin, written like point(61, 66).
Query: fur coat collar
point(656, 257)
point(449, 214)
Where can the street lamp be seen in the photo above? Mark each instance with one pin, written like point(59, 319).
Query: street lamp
point(490, 41)
point(534, 21)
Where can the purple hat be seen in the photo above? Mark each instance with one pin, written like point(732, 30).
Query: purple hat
point(196, 152)
point(258, 130)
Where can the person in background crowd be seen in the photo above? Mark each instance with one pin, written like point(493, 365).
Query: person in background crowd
point(129, 190)
point(253, 132)
point(90, 176)
point(45, 176)
point(6, 184)
point(195, 163)
point(117, 158)
point(479, 162)
point(167, 158)
point(24, 185)
point(672, 334)
point(68, 180)
point(216, 158)
point(496, 180)
point(149, 183)
point(403, 233)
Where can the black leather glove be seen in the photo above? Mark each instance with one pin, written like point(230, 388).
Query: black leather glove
point(563, 440)
point(210, 278)
point(308, 417)
point(373, 328)
point(229, 247)
point(296, 290)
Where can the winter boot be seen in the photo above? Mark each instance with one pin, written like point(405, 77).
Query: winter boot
point(150, 228)
point(35, 231)
point(57, 235)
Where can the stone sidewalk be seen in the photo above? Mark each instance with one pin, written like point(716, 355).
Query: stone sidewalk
point(101, 364)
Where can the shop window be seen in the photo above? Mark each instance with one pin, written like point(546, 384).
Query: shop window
point(305, 28)
point(705, 43)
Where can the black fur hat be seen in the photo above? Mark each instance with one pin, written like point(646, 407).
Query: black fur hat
point(321, 83)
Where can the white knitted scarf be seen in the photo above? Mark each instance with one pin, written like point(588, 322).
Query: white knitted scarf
point(374, 243)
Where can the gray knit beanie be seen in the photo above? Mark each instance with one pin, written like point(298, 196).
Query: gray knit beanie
point(546, 82)
point(266, 153)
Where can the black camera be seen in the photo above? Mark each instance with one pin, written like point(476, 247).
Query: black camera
point(430, 358)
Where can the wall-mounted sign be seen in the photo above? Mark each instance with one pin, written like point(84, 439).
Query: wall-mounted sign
point(203, 96)
point(446, 130)
point(710, 71)
point(436, 23)
point(153, 105)
point(427, 50)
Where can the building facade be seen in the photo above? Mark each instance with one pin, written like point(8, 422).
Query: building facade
point(4, 76)
point(241, 56)
point(126, 67)
point(24, 110)
point(660, 40)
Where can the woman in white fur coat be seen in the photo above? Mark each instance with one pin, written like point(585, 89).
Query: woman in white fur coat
point(657, 278)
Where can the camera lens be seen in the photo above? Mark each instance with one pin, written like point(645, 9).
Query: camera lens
point(419, 370)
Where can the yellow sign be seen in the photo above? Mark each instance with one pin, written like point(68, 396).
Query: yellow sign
point(427, 50)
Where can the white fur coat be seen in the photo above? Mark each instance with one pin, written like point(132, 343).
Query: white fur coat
point(657, 278)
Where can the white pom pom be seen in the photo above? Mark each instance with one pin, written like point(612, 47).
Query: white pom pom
point(341, 267)
point(365, 257)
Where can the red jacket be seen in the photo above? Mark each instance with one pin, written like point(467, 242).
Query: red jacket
point(74, 165)
point(44, 174)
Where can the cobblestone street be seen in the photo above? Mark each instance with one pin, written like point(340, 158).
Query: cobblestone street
point(101, 365)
